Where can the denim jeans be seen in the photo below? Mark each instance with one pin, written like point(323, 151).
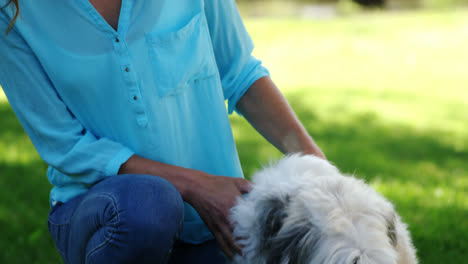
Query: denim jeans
point(126, 219)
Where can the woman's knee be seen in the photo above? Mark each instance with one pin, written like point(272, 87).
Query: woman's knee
point(140, 192)
point(153, 203)
point(141, 214)
point(146, 203)
point(152, 216)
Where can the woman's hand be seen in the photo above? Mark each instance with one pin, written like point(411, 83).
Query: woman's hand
point(212, 196)
point(213, 199)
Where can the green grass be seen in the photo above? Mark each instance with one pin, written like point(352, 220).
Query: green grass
point(384, 94)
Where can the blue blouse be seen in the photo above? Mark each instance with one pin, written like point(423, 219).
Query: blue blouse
point(90, 97)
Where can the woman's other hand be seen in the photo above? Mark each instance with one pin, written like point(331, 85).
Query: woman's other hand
point(213, 199)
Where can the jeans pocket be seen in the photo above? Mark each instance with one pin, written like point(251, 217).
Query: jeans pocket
point(181, 57)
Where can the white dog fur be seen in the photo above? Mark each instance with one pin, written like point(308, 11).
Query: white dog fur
point(303, 210)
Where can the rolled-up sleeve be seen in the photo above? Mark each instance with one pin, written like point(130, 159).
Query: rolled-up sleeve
point(233, 50)
point(60, 139)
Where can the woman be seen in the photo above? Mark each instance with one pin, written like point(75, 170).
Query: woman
point(125, 102)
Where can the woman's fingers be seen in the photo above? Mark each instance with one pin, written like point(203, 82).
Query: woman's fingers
point(214, 205)
point(243, 185)
point(223, 234)
point(223, 244)
point(227, 234)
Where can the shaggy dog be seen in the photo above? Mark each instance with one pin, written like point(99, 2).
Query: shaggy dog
point(303, 210)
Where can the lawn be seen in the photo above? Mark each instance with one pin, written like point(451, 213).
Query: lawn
point(384, 94)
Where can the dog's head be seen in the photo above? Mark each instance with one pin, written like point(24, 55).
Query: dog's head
point(302, 210)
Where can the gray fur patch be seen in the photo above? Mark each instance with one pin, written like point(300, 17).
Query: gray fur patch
point(391, 230)
point(285, 244)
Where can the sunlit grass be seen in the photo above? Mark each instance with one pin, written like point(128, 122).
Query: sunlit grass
point(407, 68)
point(396, 65)
point(2, 96)
point(384, 95)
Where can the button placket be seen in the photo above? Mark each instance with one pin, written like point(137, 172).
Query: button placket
point(130, 80)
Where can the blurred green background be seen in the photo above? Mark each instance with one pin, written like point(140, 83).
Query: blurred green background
point(383, 91)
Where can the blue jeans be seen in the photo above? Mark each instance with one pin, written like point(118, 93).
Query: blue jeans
point(126, 219)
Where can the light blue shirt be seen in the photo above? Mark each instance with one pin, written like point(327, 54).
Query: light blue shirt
point(90, 97)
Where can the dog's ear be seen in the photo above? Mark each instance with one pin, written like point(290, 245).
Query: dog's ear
point(283, 242)
point(356, 260)
point(273, 215)
point(391, 230)
point(296, 243)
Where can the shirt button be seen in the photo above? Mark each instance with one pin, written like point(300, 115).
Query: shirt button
point(127, 69)
point(135, 97)
point(117, 40)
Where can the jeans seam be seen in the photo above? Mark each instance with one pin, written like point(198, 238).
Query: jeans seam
point(107, 240)
point(176, 237)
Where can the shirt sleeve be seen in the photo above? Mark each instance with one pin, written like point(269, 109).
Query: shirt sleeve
point(60, 139)
point(233, 50)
